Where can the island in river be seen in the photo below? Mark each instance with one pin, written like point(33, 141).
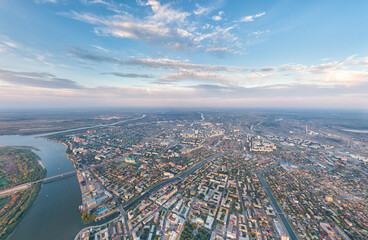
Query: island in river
point(18, 165)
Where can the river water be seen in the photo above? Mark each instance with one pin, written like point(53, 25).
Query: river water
point(54, 214)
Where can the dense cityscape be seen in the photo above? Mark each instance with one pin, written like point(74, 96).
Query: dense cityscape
point(183, 120)
point(220, 175)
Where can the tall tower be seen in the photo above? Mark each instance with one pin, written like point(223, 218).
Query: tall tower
point(306, 129)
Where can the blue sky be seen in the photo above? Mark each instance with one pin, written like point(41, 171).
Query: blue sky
point(85, 53)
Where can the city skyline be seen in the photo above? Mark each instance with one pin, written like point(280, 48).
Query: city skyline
point(152, 53)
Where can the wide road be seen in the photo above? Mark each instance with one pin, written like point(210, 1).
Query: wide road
point(171, 180)
point(279, 211)
point(123, 213)
point(10, 191)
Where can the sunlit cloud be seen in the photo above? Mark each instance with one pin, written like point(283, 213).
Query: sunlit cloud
point(167, 27)
point(194, 75)
point(209, 95)
point(128, 75)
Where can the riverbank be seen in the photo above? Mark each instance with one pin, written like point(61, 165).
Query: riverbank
point(21, 214)
point(103, 218)
point(97, 227)
point(16, 204)
point(57, 202)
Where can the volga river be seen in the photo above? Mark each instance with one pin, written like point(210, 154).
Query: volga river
point(54, 214)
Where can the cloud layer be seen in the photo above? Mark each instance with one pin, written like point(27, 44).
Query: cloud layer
point(346, 80)
point(170, 27)
point(179, 53)
point(348, 71)
point(36, 79)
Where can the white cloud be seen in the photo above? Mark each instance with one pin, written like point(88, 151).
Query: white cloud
point(258, 33)
point(165, 26)
point(217, 33)
point(335, 73)
point(251, 18)
point(345, 77)
point(207, 26)
point(135, 30)
point(12, 44)
point(20, 51)
point(177, 65)
point(165, 63)
point(330, 65)
point(165, 14)
point(101, 48)
point(184, 33)
point(290, 67)
point(201, 10)
point(125, 26)
point(36, 79)
point(217, 49)
point(219, 16)
point(204, 76)
point(343, 72)
point(361, 61)
point(45, 1)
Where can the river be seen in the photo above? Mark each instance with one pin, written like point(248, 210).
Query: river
point(54, 214)
point(355, 130)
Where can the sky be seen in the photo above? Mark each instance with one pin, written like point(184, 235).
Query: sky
point(184, 53)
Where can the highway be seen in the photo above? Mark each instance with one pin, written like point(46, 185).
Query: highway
point(10, 191)
point(251, 127)
point(164, 224)
point(278, 209)
point(171, 180)
point(123, 213)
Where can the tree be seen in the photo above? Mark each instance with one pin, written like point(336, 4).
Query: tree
point(201, 196)
point(87, 217)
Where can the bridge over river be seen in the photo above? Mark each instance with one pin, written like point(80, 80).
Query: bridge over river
point(29, 184)
point(57, 177)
